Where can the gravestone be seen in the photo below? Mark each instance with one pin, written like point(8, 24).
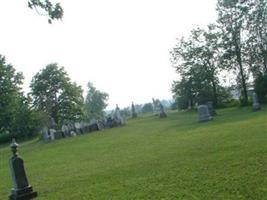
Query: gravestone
point(22, 189)
point(58, 134)
point(77, 128)
point(162, 113)
point(53, 123)
point(211, 108)
point(73, 134)
point(117, 116)
point(203, 113)
point(134, 114)
point(156, 106)
point(101, 124)
point(65, 130)
point(86, 127)
point(255, 105)
point(45, 134)
point(52, 133)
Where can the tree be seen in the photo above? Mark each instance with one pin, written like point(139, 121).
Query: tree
point(17, 119)
point(261, 87)
point(95, 102)
point(257, 36)
point(231, 18)
point(148, 107)
point(10, 92)
point(196, 59)
point(183, 94)
point(54, 94)
point(53, 11)
point(71, 103)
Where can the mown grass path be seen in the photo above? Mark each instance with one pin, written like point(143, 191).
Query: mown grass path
point(151, 158)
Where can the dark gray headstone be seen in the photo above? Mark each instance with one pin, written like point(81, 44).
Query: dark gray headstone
point(58, 135)
point(162, 113)
point(22, 189)
point(255, 105)
point(203, 113)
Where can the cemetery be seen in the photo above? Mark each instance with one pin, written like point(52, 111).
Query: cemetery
point(141, 100)
point(151, 158)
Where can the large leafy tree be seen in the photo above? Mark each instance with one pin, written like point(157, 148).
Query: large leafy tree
point(183, 94)
point(17, 119)
point(10, 92)
point(147, 107)
point(95, 102)
point(54, 94)
point(257, 36)
point(232, 19)
point(196, 59)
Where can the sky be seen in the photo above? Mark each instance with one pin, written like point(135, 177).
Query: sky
point(121, 46)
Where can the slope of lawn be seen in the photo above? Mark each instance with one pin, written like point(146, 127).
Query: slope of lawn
point(152, 158)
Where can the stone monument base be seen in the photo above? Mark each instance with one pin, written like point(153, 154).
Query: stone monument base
point(256, 107)
point(205, 119)
point(162, 115)
point(23, 194)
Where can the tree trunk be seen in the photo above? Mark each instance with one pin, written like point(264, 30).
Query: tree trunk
point(215, 96)
point(241, 70)
point(265, 61)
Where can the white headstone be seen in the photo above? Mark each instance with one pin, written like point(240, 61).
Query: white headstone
point(52, 133)
point(256, 105)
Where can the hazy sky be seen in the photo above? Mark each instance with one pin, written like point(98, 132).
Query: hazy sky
point(121, 46)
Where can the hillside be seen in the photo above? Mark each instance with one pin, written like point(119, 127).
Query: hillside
point(152, 158)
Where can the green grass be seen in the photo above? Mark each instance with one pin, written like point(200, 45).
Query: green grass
point(151, 158)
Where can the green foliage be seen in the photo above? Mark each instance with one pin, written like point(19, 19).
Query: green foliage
point(10, 82)
point(148, 107)
point(231, 103)
point(183, 93)
point(17, 119)
point(261, 87)
point(196, 59)
point(125, 112)
point(232, 22)
point(71, 103)
point(55, 95)
point(6, 137)
point(54, 12)
point(95, 103)
point(224, 96)
point(257, 37)
point(236, 43)
point(174, 158)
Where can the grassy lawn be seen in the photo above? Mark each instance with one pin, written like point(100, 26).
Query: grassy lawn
point(151, 158)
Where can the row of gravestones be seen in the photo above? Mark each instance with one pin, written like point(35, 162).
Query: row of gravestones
point(78, 128)
point(207, 112)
